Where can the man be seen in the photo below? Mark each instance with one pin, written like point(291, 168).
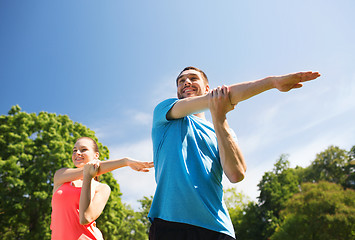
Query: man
point(191, 155)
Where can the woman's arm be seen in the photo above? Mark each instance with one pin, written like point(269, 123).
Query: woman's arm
point(93, 197)
point(64, 175)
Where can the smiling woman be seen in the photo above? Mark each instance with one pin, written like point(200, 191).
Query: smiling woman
point(78, 195)
point(85, 149)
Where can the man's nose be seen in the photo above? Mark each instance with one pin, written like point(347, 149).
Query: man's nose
point(187, 81)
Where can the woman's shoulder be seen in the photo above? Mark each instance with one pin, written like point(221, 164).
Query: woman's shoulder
point(101, 186)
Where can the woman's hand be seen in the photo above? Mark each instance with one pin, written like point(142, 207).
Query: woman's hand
point(139, 166)
point(91, 169)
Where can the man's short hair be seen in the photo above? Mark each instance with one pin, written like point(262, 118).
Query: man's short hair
point(204, 76)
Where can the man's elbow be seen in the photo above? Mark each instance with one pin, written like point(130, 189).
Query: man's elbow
point(236, 177)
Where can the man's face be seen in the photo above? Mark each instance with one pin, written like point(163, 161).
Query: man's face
point(190, 83)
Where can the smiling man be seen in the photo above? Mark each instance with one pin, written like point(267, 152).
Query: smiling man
point(191, 154)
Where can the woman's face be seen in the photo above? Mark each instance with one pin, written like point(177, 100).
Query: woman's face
point(83, 152)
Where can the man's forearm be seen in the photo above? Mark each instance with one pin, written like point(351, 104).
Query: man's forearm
point(232, 159)
point(243, 91)
point(284, 83)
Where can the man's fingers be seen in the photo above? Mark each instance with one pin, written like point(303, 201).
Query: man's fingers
point(299, 85)
point(307, 76)
point(220, 91)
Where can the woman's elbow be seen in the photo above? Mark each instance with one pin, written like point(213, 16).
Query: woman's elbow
point(84, 221)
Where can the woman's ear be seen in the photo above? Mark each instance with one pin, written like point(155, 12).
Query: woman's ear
point(97, 155)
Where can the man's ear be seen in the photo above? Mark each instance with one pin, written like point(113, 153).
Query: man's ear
point(207, 88)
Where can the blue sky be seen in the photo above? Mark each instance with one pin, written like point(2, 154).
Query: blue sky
point(106, 64)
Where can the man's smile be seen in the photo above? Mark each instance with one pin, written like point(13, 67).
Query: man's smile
point(188, 89)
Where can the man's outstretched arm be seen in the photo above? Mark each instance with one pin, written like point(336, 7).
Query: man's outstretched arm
point(284, 83)
point(243, 91)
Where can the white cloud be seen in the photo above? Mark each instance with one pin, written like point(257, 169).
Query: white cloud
point(139, 117)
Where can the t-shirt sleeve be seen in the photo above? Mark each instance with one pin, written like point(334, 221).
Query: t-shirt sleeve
point(160, 111)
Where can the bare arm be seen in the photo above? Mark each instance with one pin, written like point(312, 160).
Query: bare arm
point(71, 174)
point(242, 91)
point(187, 106)
point(93, 197)
point(232, 159)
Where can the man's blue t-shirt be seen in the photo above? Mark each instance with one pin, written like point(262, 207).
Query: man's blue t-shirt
point(188, 172)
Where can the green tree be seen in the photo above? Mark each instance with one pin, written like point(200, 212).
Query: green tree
point(136, 224)
point(349, 170)
point(33, 147)
point(146, 203)
point(235, 202)
point(133, 228)
point(320, 211)
point(329, 165)
point(276, 188)
point(250, 226)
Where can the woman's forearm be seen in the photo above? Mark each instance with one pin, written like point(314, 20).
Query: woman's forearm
point(85, 199)
point(110, 165)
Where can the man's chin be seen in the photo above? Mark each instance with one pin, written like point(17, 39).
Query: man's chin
point(182, 96)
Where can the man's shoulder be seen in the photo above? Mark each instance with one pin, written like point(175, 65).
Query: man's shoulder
point(167, 101)
point(165, 106)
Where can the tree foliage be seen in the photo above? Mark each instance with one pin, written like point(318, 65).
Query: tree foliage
point(331, 165)
point(146, 203)
point(33, 147)
point(235, 202)
point(277, 187)
point(249, 226)
point(321, 210)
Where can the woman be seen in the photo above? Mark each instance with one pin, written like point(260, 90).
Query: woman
point(78, 199)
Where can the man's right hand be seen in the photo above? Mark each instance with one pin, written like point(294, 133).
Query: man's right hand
point(219, 102)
